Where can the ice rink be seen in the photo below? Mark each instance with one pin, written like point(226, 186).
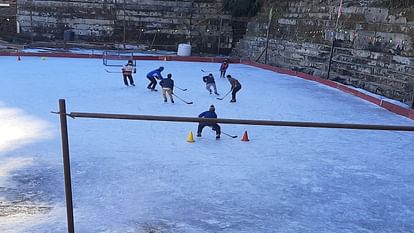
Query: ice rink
point(141, 176)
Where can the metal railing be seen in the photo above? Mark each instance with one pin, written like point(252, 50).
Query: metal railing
point(65, 142)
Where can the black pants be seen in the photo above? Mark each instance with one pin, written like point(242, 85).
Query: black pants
point(233, 93)
point(152, 83)
point(222, 73)
point(131, 80)
point(215, 127)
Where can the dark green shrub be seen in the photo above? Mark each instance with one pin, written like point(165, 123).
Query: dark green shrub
point(242, 7)
point(396, 3)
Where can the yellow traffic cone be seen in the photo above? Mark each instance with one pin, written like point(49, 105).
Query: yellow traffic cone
point(190, 137)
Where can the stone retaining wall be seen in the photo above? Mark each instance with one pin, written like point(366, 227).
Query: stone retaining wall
point(156, 24)
point(373, 48)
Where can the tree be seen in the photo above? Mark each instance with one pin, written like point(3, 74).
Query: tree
point(242, 7)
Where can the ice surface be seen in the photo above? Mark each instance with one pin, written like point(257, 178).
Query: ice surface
point(136, 176)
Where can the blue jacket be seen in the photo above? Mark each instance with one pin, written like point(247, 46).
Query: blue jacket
point(208, 114)
point(155, 73)
point(167, 83)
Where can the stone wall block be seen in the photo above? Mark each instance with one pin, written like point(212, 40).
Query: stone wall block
point(373, 48)
point(104, 20)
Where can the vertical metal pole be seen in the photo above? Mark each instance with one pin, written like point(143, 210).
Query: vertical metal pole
point(116, 13)
point(412, 95)
point(330, 55)
point(66, 165)
point(267, 45)
point(31, 23)
point(17, 22)
point(219, 37)
point(190, 21)
point(267, 32)
point(123, 8)
point(333, 40)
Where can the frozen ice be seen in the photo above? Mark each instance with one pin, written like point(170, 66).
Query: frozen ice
point(141, 176)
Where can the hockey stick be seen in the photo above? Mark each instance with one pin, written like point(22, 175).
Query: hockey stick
point(232, 136)
point(224, 96)
point(182, 99)
point(183, 89)
point(205, 71)
point(109, 71)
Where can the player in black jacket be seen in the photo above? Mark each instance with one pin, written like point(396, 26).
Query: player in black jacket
point(167, 85)
point(209, 80)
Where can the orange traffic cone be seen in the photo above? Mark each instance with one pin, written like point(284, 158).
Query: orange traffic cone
point(245, 137)
point(190, 137)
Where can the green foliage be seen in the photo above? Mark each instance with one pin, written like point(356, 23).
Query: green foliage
point(396, 3)
point(242, 7)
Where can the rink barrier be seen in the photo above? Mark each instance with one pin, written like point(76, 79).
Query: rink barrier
point(303, 124)
point(406, 112)
point(135, 57)
point(395, 108)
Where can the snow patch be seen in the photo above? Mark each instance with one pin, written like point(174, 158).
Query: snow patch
point(19, 129)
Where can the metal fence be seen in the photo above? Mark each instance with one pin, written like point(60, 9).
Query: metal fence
point(65, 142)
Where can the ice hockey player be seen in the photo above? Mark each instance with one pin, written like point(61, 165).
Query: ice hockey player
point(235, 87)
point(209, 80)
point(167, 85)
point(152, 76)
point(209, 114)
point(223, 68)
point(127, 73)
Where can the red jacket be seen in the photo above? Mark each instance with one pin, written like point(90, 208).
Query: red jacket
point(224, 66)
